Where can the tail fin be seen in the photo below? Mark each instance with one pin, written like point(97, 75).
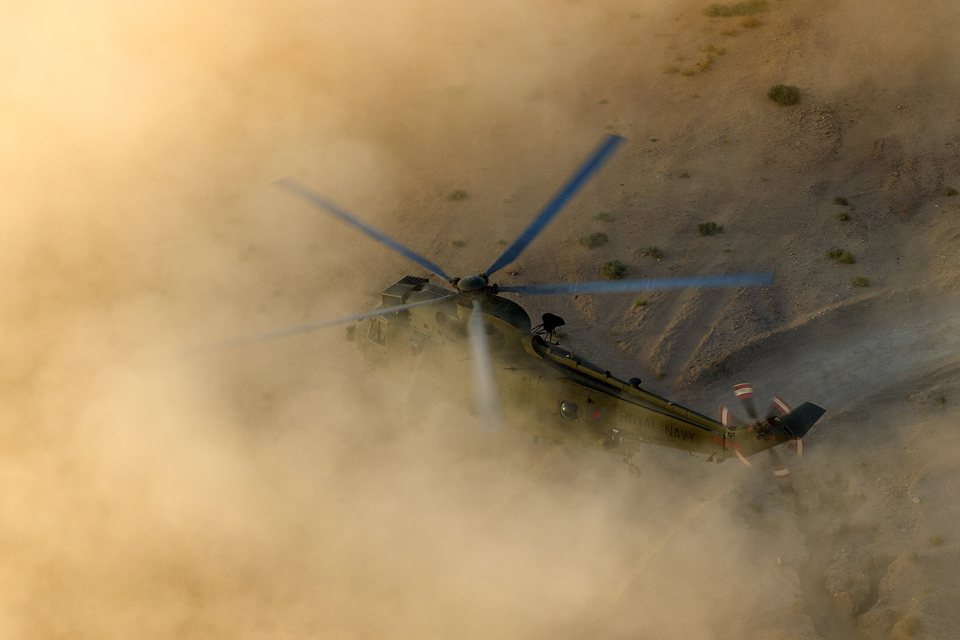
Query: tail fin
point(798, 422)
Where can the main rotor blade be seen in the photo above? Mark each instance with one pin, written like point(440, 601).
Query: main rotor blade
point(650, 284)
point(485, 385)
point(292, 331)
point(314, 198)
point(607, 146)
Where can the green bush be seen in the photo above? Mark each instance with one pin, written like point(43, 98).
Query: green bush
point(594, 240)
point(841, 256)
point(718, 11)
point(949, 191)
point(861, 281)
point(708, 228)
point(652, 252)
point(784, 94)
point(738, 9)
point(613, 270)
point(684, 174)
point(641, 302)
point(458, 194)
point(840, 200)
point(748, 8)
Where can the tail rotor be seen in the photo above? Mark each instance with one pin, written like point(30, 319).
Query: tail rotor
point(778, 409)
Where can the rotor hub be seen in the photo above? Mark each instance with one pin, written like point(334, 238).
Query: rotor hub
point(471, 284)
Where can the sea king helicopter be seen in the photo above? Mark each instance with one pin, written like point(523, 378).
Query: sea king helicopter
point(482, 350)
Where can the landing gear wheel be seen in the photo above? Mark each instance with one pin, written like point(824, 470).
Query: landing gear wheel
point(632, 468)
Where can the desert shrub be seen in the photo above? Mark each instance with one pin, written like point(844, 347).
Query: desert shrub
point(708, 228)
point(841, 256)
point(718, 11)
point(784, 94)
point(604, 217)
point(748, 8)
point(750, 22)
point(729, 32)
point(661, 374)
point(687, 72)
point(652, 252)
point(840, 200)
point(936, 541)
point(458, 243)
point(684, 174)
point(640, 302)
point(861, 281)
point(613, 270)
point(458, 194)
point(738, 9)
point(949, 191)
point(941, 400)
point(594, 240)
point(670, 68)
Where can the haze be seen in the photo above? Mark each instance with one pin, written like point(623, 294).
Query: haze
point(277, 490)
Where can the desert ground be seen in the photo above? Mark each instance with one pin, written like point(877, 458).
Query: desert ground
point(149, 489)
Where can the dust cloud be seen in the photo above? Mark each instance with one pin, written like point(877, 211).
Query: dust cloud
point(277, 491)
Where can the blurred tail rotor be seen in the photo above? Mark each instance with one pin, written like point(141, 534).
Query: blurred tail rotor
point(780, 471)
point(744, 393)
point(779, 407)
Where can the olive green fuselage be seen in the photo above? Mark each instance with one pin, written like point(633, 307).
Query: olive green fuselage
point(429, 345)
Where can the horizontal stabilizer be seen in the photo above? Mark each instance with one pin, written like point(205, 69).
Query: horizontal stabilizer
point(798, 422)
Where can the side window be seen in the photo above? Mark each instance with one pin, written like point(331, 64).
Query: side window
point(378, 332)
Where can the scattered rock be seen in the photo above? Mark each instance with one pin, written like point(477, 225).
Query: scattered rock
point(877, 623)
point(848, 581)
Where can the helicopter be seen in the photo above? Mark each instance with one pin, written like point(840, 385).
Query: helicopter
point(481, 350)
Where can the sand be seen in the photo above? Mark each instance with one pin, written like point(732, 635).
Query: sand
point(278, 491)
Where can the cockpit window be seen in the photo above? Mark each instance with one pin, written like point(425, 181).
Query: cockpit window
point(568, 410)
point(378, 332)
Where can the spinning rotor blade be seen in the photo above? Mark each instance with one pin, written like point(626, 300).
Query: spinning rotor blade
point(316, 199)
point(778, 407)
point(292, 331)
point(607, 146)
point(744, 393)
point(728, 420)
point(650, 284)
point(780, 471)
point(485, 386)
